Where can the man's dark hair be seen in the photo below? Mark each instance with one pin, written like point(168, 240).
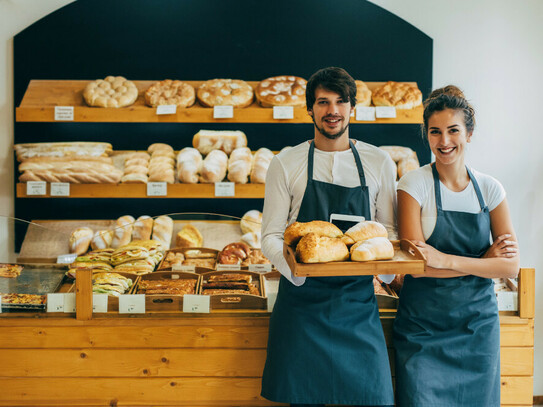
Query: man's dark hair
point(333, 79)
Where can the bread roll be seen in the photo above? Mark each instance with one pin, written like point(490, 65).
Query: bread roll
point(261, 163)
point(143, 228)
point(163, 230)
point(407, 164)
point(155, 147)
point(366, 230)
point(253, 239)
point(313, 248)
point(251, 221)
point(206, 141)
point(101, 239)
point(189, 236)
point(377, 248)
point(122, 233)
point(214, 167)
point(80, 240)
point(239, 165)
point(189, 164)
point(297, 230)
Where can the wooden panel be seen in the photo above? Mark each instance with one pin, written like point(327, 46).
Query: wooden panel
point(517, 389)
point(521, 334)
point(132, 362)
point(526, 293)
point(517, 361)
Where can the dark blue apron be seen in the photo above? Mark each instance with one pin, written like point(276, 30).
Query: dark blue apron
point(326, 343)
point(447, 331)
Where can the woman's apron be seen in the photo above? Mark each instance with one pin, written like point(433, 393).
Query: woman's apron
point(326, 343)
point(447, 332)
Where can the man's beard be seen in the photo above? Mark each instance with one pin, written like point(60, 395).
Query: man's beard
point(328, 135)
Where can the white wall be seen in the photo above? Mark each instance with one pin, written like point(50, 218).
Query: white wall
point(492, 49)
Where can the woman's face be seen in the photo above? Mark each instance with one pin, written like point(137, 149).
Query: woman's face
point(448, 136)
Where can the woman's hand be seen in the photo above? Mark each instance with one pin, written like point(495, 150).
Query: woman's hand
point(502, 248)
point(434, 258)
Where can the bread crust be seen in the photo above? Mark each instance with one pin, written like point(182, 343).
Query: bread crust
point(366, 230)
point(400, 95)
point(113, 91)
point(297, 230)
point(225, 92)
point(281, 91)
point(313, 248)
point(377, 248)
point(363, 94)
point(170, 92)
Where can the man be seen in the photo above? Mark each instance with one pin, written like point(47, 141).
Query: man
point(326, 344)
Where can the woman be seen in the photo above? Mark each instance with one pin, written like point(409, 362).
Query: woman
point(446, 333)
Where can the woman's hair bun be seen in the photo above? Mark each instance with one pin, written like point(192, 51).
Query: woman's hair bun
point(449, 90)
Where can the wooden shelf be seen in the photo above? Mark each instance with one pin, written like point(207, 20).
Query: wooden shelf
point(41, 97)
point(140, 191)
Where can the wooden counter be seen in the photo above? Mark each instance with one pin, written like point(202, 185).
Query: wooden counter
point(186, 359)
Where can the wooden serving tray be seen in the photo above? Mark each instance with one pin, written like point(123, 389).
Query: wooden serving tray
point(238, 301)
point(407, 260)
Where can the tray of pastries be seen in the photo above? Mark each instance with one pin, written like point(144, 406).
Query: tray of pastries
point(189, 258)
point(234, 289)
point(321, 249)
point(164, 290)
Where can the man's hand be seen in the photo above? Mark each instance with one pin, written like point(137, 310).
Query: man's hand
point(502, 248)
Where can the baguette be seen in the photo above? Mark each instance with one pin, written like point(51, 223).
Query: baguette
point(62, 149)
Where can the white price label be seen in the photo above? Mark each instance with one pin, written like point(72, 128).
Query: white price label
point(64, 113)
point(196, 303)
point(365, 113)
point(260, 268)
point(223, 112)
point(182, 267)
point(507, 300)
point(385, 112)
point(60, 189)
point(55, 302)
point(283, 112)
point(228, 267)
point(99, 302)
point(157, 189)
point(166, 109)
point(66, 258)
point(132, 304)
point(69, 302)
point(225, 189)
point(36, 188)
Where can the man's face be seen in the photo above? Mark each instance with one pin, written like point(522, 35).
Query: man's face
point(330, 113)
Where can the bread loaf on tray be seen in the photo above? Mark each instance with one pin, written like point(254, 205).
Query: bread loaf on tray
point(297, 230)
point(313, 248)
point(364, 230)
point(377, 248)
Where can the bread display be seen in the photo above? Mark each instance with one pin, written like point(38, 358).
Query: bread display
point(377, 248)
point(101, 239)
point(364, 230)
point(189, 165)
point(113, 91)
point(255, 257)
point(281, 91)
point(163, 230)
point(80, 240)
point(113, 284)
point(297, 230)
point(225, 92)
point(240, 164)
point(162, 163)
point(251, 221)
point(122, 233)
point(363, 94)
point(189, 236)
point(143, 227)
point(167, 286)
point(74, 171)
point(170, 92)
point(400, 95)
point(315, 248)
point(136, 168)
point(229, 283)
point(206, 141)
point(261, 163)
point(234, 253)
point(214, 167)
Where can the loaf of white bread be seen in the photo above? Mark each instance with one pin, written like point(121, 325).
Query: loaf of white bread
point(376, 248)
point(214, 167)
point(313, 248)
point(297, 230)
point(240, 164)
point(80, 240)
point(251, 221)
point(206, 141)
point(189, 165)
point(163, 230)
point(261, 163)
point(364, 230)
point(101, 239)
point(122, 233)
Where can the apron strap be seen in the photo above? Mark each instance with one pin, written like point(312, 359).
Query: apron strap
point(358, 164)
point(310, 162)
point(437, 188)
point(477, 189)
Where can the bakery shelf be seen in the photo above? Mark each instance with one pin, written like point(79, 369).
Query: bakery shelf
point(41, 97)
point(140, 191)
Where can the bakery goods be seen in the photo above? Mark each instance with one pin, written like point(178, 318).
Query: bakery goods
point(363, 94)
point(214, 167)
point(189, 236)
point(112, 284)
point(255, 257)
point(162, 163)
point(297, 230)
point(163, 230)
point(10, 270)
point(365, 230)
point(143, 227)
point(122, 233)
point(251, 221)
point(167, 286)
point(229, 283)
point(80, 240)
point(400, 95)
point(240, 163)
point(189, 164)
point(206, 141)
point(281, 91)
point(74, 173)
point(314, 248)
point(253, 239)
point(261, 163)
point(377, 248)
point(234, 253)
point(62, 149)
point(225, 92)
point(101, 239)
point(407, 164)
point(168, 92)
point(113, 91)
point(398, 153)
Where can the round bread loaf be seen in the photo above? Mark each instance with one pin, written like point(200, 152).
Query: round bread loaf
point(297, 230)
point(365, 230)
point(113, 91)
point(225, 92)
point(401, 95)
point(168, 92)
point(313, 248)
point(281, 91)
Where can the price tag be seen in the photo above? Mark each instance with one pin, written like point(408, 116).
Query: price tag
point(365, 113)
point(36, 188)
point(223, 112)
point(69, 302)
point(507, 300)
point(260, 268)
point(175, 276)
point(157, 189)
point(385, 112)
point(99, 302)
point(66, 258)
point(132, 304)
point(60, 189)
point(55, 302)
point(191, 268)
point(196, 303)
point(166, 109)
point(225, 189)
point(228, 267)
point(64, 113)
point(283, 112)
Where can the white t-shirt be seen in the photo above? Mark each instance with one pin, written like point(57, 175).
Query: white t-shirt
point(420, 185)
point(286, 181)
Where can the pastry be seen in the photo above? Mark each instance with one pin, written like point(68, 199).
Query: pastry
point(206, 141)
point(189, 236)
point(281, 91)
point(297, 230)
point(234, 253)
point(400, 95)
point(314, 248)
point(377, 248)
point(62, 149)
point(363, 94)
point(189, 164)
point(253, 239)
point(170, 92)
point(225, 92)
point(113, 91)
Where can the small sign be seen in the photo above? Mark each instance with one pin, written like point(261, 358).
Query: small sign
point(283, 112)
point(132, 304)
point(55, 302)
point(99, 302)
point(507, 300)
point(166, 109)
point(157, 189)
point(385, 112)
point(228, 267)
point(175, 276)
point(225, 189)
point(66, 258)
point(196, 303)
point(260, 268)
point(69, 302)
point(36, 188)
point(223, 112)
point(60, 189)
point(64, 113)
point(365, 113)
point(190, 268)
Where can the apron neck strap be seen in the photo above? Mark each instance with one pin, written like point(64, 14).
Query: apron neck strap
point(437, 188)
point(477, 189)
